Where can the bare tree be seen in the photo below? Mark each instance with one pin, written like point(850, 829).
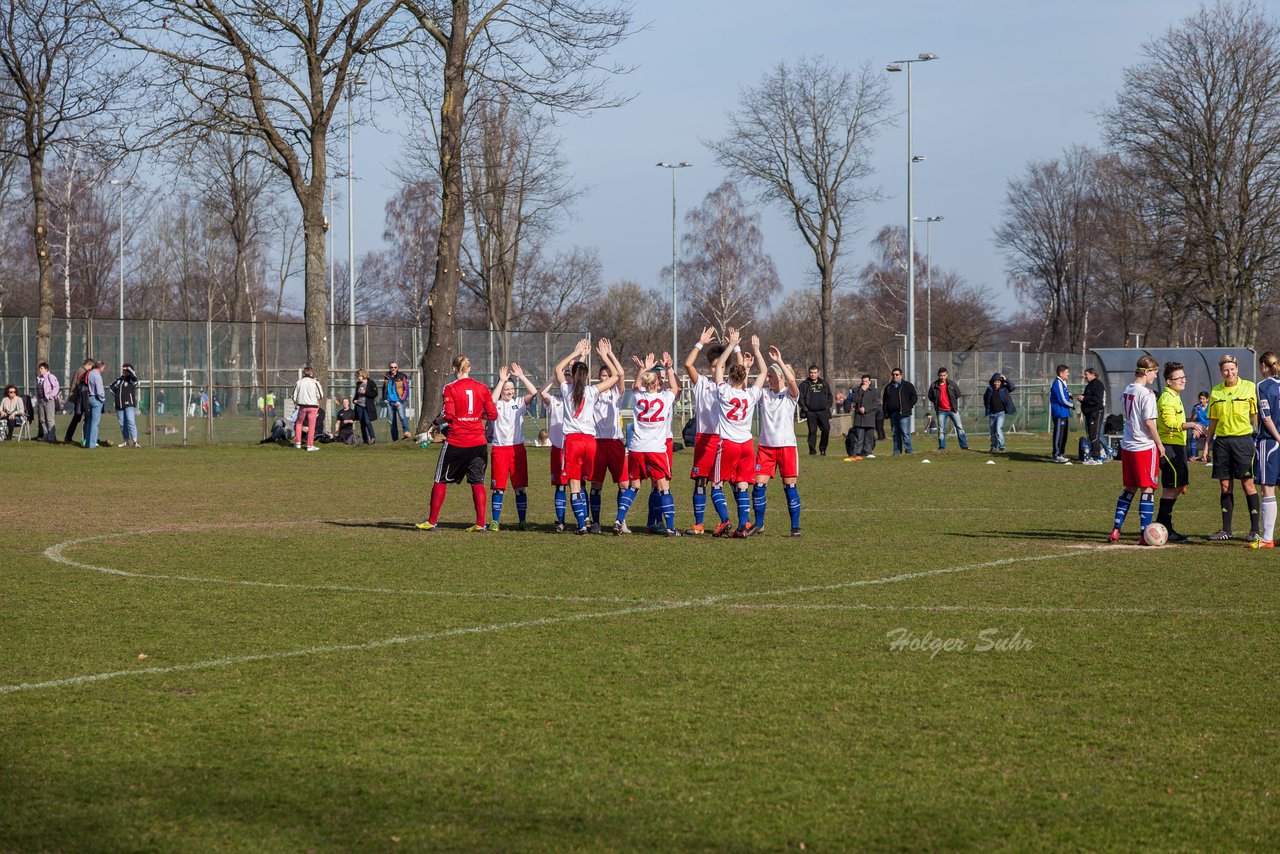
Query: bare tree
point(633, 318)
point(554, 293)
point(727, 275)
point(802, 139)
point(547, 52)
point(1200, 116)
point(401, 274)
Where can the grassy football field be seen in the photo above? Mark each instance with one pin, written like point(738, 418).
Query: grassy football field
point(251, 648)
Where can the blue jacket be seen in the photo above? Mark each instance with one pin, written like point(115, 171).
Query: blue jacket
point(1060, 399)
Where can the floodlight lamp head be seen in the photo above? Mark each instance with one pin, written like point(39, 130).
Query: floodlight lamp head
point(919, 158)
point(893, 66)
point(925, 57)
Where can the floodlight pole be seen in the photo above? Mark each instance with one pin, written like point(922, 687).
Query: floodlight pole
point(675, 345)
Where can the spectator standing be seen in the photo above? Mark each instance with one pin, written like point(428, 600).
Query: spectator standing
point(1200, 414)
point(125, 393)
point(815, 408)
point(865, 406)
point(96, 400)
point(79, 400)
point(47, 391)
point(395, 393)
point(1093, 406)
point(945, 397)
point(899, 401)
point(366, 405)
point(307, 395)
point(997, 402)
point(160, 401)
point(1061, 406)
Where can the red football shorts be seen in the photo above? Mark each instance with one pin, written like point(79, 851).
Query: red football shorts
point(651, 465)
point(579, 457)
point(785, 460)
point(510, 462)
point(1141, 469)
point(705, 448)
point(611, 457)
point(557, 467)
point(737, 462)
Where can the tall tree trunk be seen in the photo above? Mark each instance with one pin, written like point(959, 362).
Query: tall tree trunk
point(44, 325)
point(317, 297)
point(828, 339)
point(437, 356)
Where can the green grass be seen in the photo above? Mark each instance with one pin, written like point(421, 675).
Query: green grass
point(621, 694)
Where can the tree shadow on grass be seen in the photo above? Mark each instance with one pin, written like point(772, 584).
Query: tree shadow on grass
point(383, 525)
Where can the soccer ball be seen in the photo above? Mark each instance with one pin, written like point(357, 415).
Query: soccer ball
point(1155, 534)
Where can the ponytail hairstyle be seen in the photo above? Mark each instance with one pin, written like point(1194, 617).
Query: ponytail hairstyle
point(580, 374)
point(648, 378)
point(458, 361)
point(308, 372)
point(738, 375)
point(712, 351)
point(1272, 362)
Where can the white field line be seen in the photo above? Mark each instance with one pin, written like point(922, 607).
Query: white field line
point(703, 602)
point(1096, 512)
point(55, 554)
point(1010, 609)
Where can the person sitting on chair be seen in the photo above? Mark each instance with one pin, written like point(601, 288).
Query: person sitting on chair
point(12, 411)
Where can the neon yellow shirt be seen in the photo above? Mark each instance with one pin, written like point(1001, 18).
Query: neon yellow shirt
point(1233, 407)
point(1170, 416)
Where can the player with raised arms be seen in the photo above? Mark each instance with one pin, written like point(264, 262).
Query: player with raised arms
point(1141, 446)
point(1266, 462)
point(611, 444)
point(550, 395)
point(647, 454)
point(736, 463)
point(579, 398)
point(777, 447)
point(509, 461)
point(468, 403)
point(706, 443)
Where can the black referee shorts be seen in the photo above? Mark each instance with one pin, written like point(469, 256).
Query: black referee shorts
point(1232, 457)
point(1173, 467)
point(456, 463)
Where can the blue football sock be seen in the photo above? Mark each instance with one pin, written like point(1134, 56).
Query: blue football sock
point(560, 499)
point(699, 504)
point(595, 506)
point(578, 501)
point(719, 502)
point(495, 505)
point(759, 502)
point(655, 509)
point(668, 509)
point(793, 504)
point(1122, 507)
point(743, 499)
point(1146, 509)
point(625, 497)
point(522, 504)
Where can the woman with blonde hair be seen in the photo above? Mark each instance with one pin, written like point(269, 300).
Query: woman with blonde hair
point(366, 404)
point(307, 395)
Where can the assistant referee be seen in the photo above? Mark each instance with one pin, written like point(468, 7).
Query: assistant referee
point(1233, 417)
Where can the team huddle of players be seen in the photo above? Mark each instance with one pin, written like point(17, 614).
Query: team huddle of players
point(1242, 436)
point(588, 443)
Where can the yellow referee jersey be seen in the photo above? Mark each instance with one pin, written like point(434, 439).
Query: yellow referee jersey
point(1170, 416)
point(1233, 408)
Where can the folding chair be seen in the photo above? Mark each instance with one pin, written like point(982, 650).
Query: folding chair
point(24, 429)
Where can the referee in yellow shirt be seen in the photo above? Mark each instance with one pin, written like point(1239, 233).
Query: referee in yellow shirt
point(1233, 416)
point(1172, 425)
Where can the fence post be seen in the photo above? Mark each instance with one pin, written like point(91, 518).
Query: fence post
point(151, 372)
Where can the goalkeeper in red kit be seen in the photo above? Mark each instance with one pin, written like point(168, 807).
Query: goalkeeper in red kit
point(468, 404)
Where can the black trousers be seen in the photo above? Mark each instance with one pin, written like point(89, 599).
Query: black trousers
point(1093, 426)
point(1060, 426)
point(366, 424)
point(818, 422)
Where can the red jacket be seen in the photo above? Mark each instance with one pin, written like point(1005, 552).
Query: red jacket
point(468, 404)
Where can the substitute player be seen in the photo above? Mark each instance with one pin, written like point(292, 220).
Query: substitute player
point(777, 451)
point(579, 398)
point(736, 462)
point(1233, 417)
point(706, 443)
point(1173, 426)
point(508, 459)
point(468, 404)
point(611, 445)
point(1266, 460)
point(647, 455)
point(1141, 446)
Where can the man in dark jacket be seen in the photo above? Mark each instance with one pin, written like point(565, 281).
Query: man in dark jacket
point(1093, 405)
point(815, 408)
point(899, 401)
point(865, 403)
point(945, 397)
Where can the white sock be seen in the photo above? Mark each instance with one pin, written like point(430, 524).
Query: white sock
point(1268, 518)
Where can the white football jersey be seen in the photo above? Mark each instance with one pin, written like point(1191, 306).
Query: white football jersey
point(582, 419)
point(706, 405)
point(777, 419)
point(555, 421)
point(609, 415)
point(737, 405)
point(654, 411)
point(1139, 403)
point(508, 428)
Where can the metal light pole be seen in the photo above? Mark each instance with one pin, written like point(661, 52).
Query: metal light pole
point(351, 229)
point(909, 367)
point(121, 185)
point(675, 347)
point(1021, 364)
point(333, 293)
point(928, 286)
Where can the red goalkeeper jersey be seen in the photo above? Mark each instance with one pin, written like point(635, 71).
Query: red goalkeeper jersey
point(468, 404)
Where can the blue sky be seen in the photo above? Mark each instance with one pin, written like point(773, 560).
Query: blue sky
point(1015, 82)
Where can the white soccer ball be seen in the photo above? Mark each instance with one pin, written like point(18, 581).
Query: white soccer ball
point(1155, 534)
